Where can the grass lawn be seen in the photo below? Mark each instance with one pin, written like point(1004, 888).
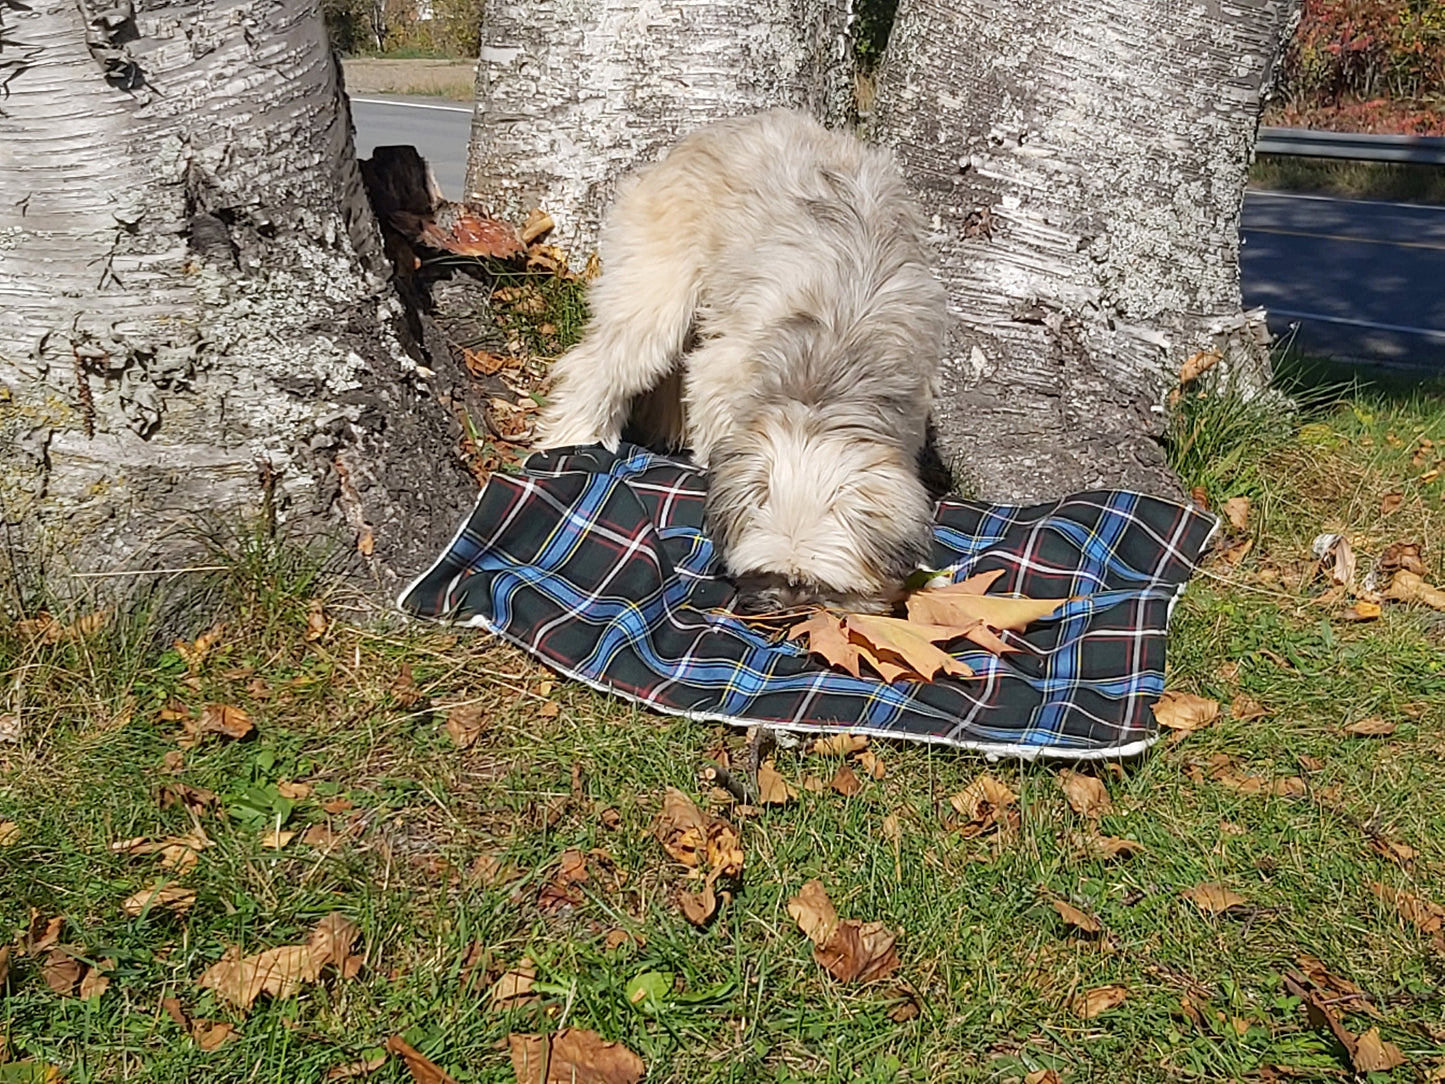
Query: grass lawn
point(457, 863)
point(1406, 182)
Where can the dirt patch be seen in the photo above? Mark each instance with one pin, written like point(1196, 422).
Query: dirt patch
point(451, 79)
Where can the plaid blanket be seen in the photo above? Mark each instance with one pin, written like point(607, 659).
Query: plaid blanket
point(597, 564)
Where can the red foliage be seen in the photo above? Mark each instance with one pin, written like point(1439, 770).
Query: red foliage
point(1367, 65)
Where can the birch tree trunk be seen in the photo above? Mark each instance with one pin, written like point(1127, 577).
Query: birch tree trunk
point(572, 95)
point(1085, 164)
point(197, 318)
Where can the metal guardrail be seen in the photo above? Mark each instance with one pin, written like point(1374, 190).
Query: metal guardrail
point(1421, 150)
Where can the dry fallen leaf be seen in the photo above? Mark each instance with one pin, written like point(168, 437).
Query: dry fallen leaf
point(1426, 916)
point(1341, 991)
point(1072, 916)
point(964, 606)
point(1409, 587)
point(159, 897)
point(538, 223)
point(350, 1070)
point(1099, 1000)
point(813, 911)
point(41, 934)
point(224, 719)
point(772, 788)
point(1225, 771)
point(897, 649)
point(1391, 503)
point(514, 988)
point(9, 833)
point(1246, 709)
point(405, 688)
point(45, 627)
point(1336, 558)
point(1400, 853)
point(698, 907)
point(870, 763)
point(1105, 847)
point(1401, 555)
point(96, 980)
point(982, 801)
point(194, 654)
point(61, 971)
point(197, 800)
point(321, 837)
point(1368, 1053)
point(4, 965)
point(1362, 610)
point(1043, 1076)
point(331, 943)
point(698, 840)
point(1086, 795)
point(559, 892)
point(828, 636)
point(277, 838)
point(573, 1056)
point(423, 1069)
point(465, 723)
point(316, 621)
point(849, 950)
point(1185, 711)
point(1236, 510)
point(1213, 899)
point(838, 745)
point(681, 828)
point(845, 782)
point(1373, 727)
point(281, 971)
point(1373, 1054)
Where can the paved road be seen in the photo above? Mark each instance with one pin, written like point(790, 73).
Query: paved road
point(1348, 278)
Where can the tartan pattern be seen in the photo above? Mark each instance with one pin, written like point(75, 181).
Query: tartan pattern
point(597, 563)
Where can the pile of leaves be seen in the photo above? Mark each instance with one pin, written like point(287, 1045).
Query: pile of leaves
point(908, 649)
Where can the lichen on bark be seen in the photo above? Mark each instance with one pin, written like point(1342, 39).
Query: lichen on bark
point(571, 96)
point(196, 298)
point(1085, 165)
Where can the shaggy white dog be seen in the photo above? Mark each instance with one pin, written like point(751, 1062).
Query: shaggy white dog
point(766, 301)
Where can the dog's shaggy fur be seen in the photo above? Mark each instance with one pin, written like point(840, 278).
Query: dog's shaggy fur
point(766, 301)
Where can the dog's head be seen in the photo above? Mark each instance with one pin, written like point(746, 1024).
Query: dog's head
point(808, 516)
point(777, 592)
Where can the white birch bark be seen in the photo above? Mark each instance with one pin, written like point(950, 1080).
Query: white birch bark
point(1085, 164)
point(194, 295)
point(572, 94)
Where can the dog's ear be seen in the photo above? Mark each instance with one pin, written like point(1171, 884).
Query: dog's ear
point(933, 472)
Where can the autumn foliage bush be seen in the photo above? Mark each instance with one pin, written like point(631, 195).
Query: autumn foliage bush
point(1366, 65)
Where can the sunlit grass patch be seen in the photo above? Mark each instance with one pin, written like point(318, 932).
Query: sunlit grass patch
point(445, 851)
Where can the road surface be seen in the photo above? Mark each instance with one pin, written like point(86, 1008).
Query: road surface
point(1358, 279)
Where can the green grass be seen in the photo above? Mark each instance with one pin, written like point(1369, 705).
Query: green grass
point(1356, 180)
point(994, 968)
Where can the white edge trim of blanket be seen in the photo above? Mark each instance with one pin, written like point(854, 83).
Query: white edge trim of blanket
point(991, 750)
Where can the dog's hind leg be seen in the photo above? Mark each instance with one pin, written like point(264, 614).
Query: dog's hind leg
point(642, 312)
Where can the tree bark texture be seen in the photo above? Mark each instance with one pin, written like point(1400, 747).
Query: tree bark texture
point(572, 94)
point(1084, 162)
point(197, 318)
